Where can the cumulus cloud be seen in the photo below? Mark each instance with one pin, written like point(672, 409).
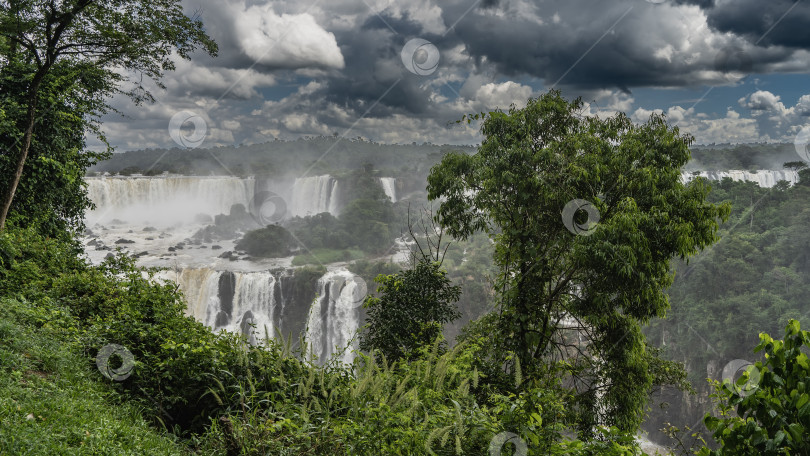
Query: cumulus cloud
point(288, 69)
point(285, 40)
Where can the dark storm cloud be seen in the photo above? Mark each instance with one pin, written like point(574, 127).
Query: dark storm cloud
point(374, 68)
point(287, 69)
point(630, 54)
point(753, 19)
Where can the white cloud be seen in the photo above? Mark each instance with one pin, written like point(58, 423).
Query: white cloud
point(286, 40)
point(502, 95)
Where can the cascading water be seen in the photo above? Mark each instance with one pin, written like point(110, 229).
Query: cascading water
point(335, 317)
point(249, 297)
point(256, 303)
point(165, 200)
point(313, 195)
point(389, 186)
point(231, 300)
point(764, 178)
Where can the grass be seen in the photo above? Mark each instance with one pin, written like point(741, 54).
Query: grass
point(53, 401)
point(326, 256)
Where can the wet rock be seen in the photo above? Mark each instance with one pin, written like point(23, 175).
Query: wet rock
point(203, 246)
point(227, 254)
point(172, 249)
point(124, 241)
point(216, 247)
point(109, 255)
point(130, 231)
point(138, 255)
point(93, 243)
point(149, 229)
point(150, 239)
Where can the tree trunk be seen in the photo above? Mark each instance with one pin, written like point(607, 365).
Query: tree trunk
point(8, 194)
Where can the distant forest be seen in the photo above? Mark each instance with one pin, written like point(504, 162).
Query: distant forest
point(327, 155)
point(313, 156)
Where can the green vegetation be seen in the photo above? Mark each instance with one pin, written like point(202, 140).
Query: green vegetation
point(532, 163)
point(519, 371)
point(51, 403)
point(326, 256)
point(270, 241)
point(755, 279)
point(767, 411)
point(216, 393)
point(410, 312)
point(277, 158)
point(367, 223)
point(74, 56)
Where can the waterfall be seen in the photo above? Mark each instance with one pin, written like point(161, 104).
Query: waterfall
point(237, 301)
point(335, 317)
point(764, 178)
point(165, 200)
point(313, 195)
point(389, 186)
point(230, 300)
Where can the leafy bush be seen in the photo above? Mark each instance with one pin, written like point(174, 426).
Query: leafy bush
point(270, 241)
point(227, 397)
point(767, 411)
point(413, 306)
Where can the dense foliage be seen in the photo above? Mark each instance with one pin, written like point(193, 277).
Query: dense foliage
point(412, 307)
point(270, 241)
point(532, 164)
point(85, 48)
point(51, 191)
point(755, 279)
point(223, 396)
point(767, 411)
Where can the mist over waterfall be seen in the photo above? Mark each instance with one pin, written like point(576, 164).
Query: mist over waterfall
point(335, 317)
point(165, 200)
point(313, 195)
point(764, 178)
point(389, 186)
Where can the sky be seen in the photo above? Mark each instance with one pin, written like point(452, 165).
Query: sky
point(726, 71)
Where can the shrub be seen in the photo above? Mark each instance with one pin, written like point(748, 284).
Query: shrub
point(767, 411)
point(270, 241)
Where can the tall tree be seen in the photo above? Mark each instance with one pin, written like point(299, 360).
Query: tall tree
point(122, 41)
point(542, 177)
